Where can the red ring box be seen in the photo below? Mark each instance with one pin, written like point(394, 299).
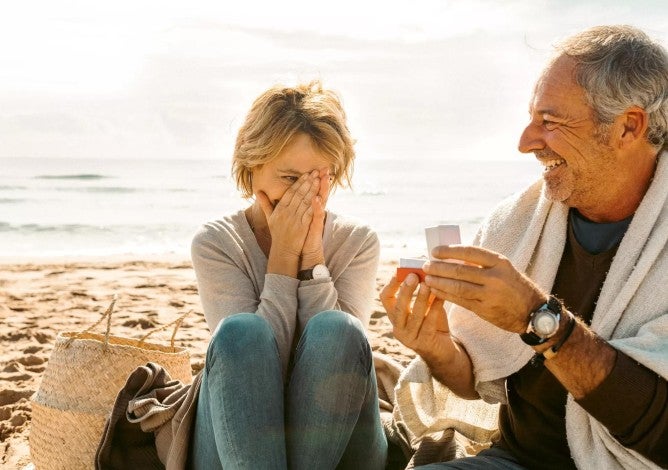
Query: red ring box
point(410, 265)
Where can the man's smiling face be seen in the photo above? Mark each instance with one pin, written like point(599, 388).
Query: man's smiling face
point(581, 168)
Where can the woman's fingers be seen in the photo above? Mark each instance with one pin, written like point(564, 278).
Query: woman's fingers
point(325, 184)
point(265, 204)
point(304, 193)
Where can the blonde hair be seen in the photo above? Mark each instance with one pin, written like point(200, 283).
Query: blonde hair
point(277, 116)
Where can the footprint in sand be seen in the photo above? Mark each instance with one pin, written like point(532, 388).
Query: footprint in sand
point(43, 338)
point(9, 396)
point(31, 360)
point(145, 324)
point(32, 349)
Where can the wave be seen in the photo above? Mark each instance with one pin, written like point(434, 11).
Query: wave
point(101, 189)
point(8, 200)
point(41, 228)
point(81, 177)
point(10, 187)
point(122, 190)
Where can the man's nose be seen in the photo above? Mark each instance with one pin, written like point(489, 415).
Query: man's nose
point(531, 139)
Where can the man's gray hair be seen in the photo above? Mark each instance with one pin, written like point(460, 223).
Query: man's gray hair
point(619, 67)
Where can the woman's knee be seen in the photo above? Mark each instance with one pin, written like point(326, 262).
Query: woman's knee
point(333, 325)
point(337, 336)
point(238, 334)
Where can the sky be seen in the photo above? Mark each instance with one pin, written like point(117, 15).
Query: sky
point(173, 79)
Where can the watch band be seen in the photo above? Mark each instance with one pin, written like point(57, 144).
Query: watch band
point(318, 271)
point(551, 352)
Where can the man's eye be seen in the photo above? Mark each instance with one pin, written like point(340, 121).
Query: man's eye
point(550, 125)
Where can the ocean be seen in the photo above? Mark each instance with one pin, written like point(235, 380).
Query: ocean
point(52, 207)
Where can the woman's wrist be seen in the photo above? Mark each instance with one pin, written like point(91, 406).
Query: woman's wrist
point(310, 260)
point(284, 263)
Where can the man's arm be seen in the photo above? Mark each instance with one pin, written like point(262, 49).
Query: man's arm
point(490, 286)
point(424, 328)
point(586, 365)
point(584, 360)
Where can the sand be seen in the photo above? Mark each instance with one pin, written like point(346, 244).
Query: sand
point(38, 300)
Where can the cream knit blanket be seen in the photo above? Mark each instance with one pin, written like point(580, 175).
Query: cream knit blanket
point(631, 313)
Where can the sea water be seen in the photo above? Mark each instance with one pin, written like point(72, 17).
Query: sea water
point(91, 207)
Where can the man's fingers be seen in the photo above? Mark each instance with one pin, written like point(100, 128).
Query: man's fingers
point(469, 304)
point(420, 306)
point(471, 254)
point(455, 288)
point(462, 272)
point(404, 298)
point(388, 298)
point(437, 317)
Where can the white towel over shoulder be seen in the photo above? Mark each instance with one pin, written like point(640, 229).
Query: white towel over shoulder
point(631, 312)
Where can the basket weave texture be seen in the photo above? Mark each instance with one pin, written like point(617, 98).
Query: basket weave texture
point(79, 387)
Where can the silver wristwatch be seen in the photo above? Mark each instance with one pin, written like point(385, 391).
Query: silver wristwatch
point(319, 271)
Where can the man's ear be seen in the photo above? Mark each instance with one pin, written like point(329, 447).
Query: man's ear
point(632, 125)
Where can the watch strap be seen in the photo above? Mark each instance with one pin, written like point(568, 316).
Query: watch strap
point(552, 351)
point(305, 274)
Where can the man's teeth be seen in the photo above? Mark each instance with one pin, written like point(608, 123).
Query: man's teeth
point(553, 163)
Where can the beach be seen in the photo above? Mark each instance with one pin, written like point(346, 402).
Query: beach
point(40, 299)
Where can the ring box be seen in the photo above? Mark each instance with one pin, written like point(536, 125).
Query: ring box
point(441, 235)
point(436, 236)
point(410, 265)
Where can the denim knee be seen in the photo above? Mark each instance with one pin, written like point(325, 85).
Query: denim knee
point(240, 335)
point(339, 333)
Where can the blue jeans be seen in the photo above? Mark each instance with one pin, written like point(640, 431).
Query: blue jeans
point(326, 416)
point(494, 458)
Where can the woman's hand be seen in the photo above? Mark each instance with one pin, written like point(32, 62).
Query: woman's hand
point(312, 251)
point(289, 223)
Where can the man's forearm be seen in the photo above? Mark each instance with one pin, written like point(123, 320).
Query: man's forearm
point(583, 362)
point(453, 369)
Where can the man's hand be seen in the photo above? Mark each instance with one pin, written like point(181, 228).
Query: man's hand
point(312, 251)
point(423, 327)
point(488, 285)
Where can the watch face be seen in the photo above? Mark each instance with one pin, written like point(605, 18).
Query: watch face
point(545, 323)
point(320, 271)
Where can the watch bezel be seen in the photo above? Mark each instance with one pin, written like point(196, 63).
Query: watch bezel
point(532, 336)
point(319, 271)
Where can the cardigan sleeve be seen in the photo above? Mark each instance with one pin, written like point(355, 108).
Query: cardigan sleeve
point(226, 288)
point(352, 288)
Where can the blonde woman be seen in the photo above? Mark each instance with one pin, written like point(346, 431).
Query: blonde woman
point(286, 288)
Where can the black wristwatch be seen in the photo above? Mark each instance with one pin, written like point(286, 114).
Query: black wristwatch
point(543, 322)
point(318, 271)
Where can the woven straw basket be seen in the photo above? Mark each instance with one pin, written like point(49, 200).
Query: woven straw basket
point(80, 384)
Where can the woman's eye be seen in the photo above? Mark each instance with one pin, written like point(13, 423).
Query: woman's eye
point(290, 179)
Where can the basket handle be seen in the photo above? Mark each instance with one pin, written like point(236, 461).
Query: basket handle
point(176, 323)
point(107, 315)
